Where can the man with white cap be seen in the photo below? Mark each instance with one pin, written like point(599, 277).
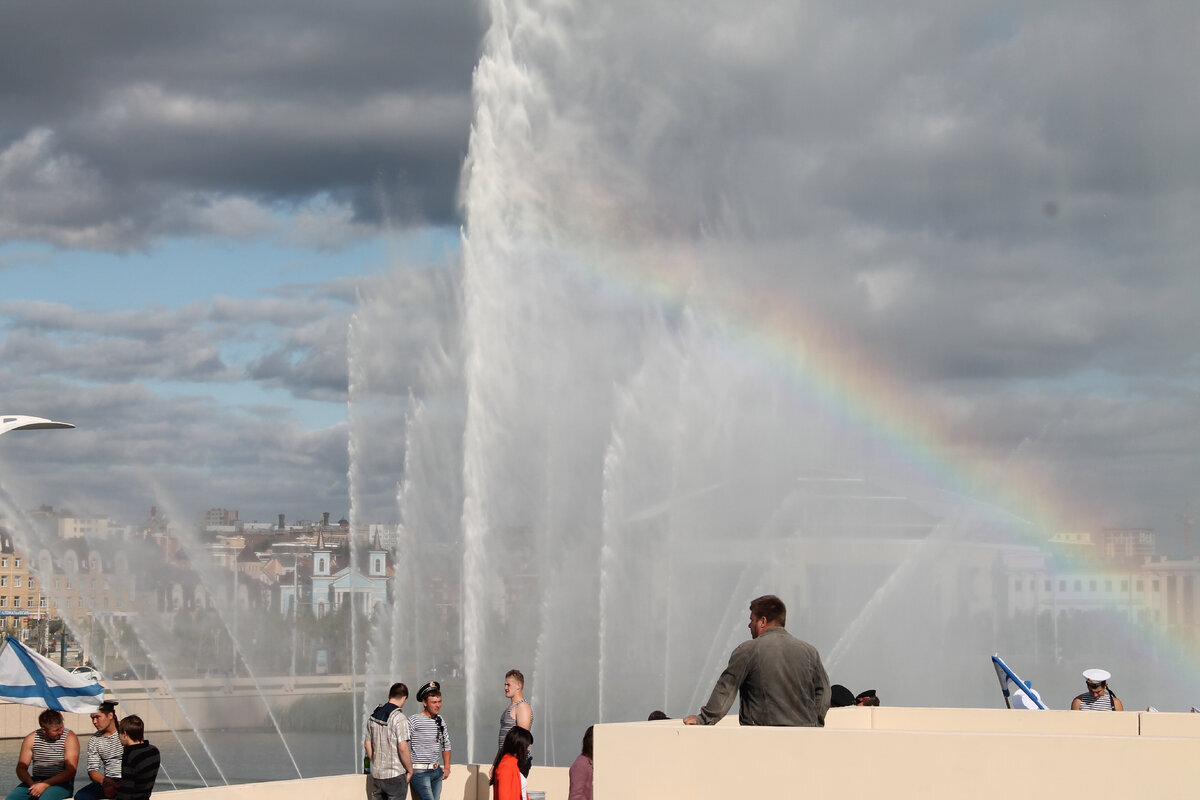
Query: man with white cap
point(1098, 697)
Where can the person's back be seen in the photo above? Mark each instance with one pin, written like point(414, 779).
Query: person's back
point(508, 782)
point(580, 774)
point(780, 679)
point(387, 745)
point(783, 683)
point(139, 765)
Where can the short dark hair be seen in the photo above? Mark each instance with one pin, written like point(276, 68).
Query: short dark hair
point(132, 727)
point(656, 715)
point(771, 607)
point(516, 673)
point(398, 690)
point(49, 717)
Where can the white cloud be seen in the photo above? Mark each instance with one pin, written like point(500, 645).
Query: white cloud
point(325, 225)
point(52, 195)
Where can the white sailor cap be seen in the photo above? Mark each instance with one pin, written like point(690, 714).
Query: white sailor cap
point(1096, 675)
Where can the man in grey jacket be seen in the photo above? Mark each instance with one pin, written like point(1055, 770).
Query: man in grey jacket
point(780, 679)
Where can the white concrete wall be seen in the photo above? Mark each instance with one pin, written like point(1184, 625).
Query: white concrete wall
point(905, 753)
point(928, 753)
point(466, 782)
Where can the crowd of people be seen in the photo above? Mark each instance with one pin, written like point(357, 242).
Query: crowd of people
point(779, 679)
point(121, 764)
point(414, 752)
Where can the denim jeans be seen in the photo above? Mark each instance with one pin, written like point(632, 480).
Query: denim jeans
point(93, 791)
point(427, 783)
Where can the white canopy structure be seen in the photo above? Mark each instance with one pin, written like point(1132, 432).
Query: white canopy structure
point(21, 422)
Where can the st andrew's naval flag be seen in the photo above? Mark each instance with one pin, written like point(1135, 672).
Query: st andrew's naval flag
point(32, 679)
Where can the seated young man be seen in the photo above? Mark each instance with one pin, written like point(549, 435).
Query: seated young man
point(104, 754)
point(139, 765)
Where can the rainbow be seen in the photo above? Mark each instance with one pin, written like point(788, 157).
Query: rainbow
point(833, 371)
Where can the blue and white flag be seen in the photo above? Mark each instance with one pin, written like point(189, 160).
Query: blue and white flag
point(32, 679)
point(1024, 696)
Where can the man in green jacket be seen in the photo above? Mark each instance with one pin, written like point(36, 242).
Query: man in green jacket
point(780, 679)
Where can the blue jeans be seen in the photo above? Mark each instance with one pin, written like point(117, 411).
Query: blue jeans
point(427, 783)
point(93, 791)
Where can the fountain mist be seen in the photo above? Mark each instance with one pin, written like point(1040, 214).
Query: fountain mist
point(635, 464)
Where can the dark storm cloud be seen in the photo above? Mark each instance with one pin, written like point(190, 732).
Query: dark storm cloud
point(975, 191)
point(990, 200)
point(124, 121)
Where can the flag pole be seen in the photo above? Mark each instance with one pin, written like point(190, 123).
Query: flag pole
point(1005, 674)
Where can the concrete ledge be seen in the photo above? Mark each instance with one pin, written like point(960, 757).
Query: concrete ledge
point(336, 787)
point(998, 720)
point(1169, 724)
point(979, 753)
point(466, 782)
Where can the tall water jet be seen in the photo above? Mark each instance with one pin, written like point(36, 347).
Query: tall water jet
point(630, 440)
point(406, 427)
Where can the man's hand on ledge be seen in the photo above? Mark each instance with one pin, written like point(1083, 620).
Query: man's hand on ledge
point(691, 719)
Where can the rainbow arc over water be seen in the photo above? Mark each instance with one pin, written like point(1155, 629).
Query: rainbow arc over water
point(831, 369)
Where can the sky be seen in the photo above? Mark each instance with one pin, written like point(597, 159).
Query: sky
point(996, 203)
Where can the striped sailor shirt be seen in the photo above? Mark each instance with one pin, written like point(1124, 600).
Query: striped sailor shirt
point(104, 754)
point(426, 740)
point(1102, 703)
point(49, 757)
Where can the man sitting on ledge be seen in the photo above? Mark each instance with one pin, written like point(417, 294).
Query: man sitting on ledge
point(780, 679)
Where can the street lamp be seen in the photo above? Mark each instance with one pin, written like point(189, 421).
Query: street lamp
point(21, 422)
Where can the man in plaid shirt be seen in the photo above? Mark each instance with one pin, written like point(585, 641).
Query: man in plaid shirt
point(386, 744)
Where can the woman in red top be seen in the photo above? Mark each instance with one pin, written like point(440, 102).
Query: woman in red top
point(507, 781)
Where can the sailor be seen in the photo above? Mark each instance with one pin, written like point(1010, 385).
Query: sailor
point(1098, 696)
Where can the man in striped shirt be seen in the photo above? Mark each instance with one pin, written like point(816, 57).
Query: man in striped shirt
point(104, 753)
point(430, 744)
point(47, 761)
